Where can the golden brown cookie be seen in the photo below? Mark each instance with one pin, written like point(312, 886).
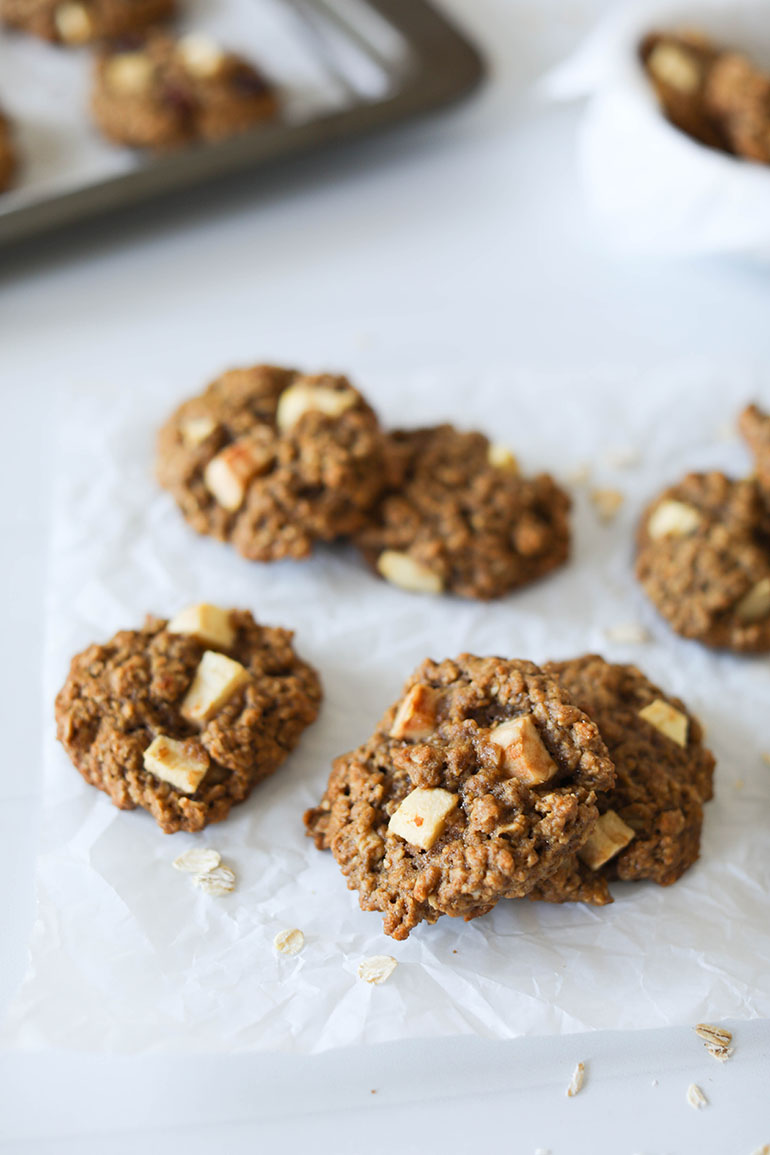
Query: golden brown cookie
point(84, 21)
point(460, 518)
point(183, 718)
point(479, 783)
point(652, 817)
point(160, 92)
point(273, 460)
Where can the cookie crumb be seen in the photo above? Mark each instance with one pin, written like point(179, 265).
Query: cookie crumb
point(716, 1039)
point(623, 458)
point(766, 757)
point(289, 941)
point(198, 860)
point(577, 1080)
point(607, 502)
point(764, 1150)
point(738, 784)
point(373, 1091)
point(580, 475)
point(377, 969)
point(628, 633)
point(695, 1097)
point(217, 882)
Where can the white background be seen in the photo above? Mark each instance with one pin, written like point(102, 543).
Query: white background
point(458, 241)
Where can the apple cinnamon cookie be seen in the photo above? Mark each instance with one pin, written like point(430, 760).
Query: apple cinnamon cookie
point(161, 92)
point(273, 460)
point(8, 159)
point(479, 783)
point(704, 561)
point(184, 717)
point(84, 21)
point(650, 822)
point(755, 428)
point(460, 518)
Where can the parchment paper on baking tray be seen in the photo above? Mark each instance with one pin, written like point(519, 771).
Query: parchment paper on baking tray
point(127, 955)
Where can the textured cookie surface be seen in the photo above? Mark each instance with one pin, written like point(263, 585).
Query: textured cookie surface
point(161, 92)
point(84, 21)
point(311, 480)
point(755, 427)
point(704, 561)
point(477, 784)
point(461, 522)
point(716, 96)
point(122, 696)
point(660, 785)
point(8, 162)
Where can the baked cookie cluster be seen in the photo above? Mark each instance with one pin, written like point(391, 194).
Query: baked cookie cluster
point(715, 95)
point(75, 22)
point(184, 717)
point(161, 92)
point(703, 553)
point(492, 778)
point(274, 460)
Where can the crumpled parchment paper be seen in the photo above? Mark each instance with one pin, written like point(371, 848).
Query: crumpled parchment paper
point(654, 189)
point(128, 955)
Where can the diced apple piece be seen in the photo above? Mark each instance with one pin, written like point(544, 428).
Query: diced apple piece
point(524, 754)
point(416, 716)
point(209, 624)
point(195, 430)
point(200, 55)
point(129, 73)
point(422, 816)
point(402, 570)
point(754, 605)
point(608, 838)
point(673, 519)
point(672, 65)
point(303, 398)
point(500, 457)
point(181, 764)
point(73, 23)
point(228, 474)
point(216, 679)
point(669, 721)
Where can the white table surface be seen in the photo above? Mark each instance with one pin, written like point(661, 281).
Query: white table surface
point(460, 240)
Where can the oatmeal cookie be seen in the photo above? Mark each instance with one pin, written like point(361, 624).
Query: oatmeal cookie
point(755, 428)
point(183, 718)
point(273, 460)
point(704, 561)
point(477, 785)
point(664, 775)
point(737, 96)
point(460, 518)
point(84, 21)
point(161, 92)
point(679, 66)
point(8, 161)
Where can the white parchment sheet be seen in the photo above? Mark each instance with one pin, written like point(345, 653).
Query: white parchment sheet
point(128, 955)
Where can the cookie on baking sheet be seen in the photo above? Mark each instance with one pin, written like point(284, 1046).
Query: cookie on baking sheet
point(679, 66)
point(476, 785)
point(84, 21)
point(651, 820)
point(161, 92)
point(460, 518)
point(273, 460)
point(755, 429)
point(704, 561)
point(8, 158)
point(184, 717)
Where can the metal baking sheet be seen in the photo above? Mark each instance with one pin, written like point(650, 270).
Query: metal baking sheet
point(345, 68)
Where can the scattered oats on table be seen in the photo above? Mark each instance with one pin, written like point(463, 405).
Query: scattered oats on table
point(624, 458)
point(577, 1080)
point(607, 503)
point(217, 882)
point(716, 1039)
point(289, 941)
point(198, 860)
point(628, 633)
point(377, 969)
point(766, 757)
point(695, 1097)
